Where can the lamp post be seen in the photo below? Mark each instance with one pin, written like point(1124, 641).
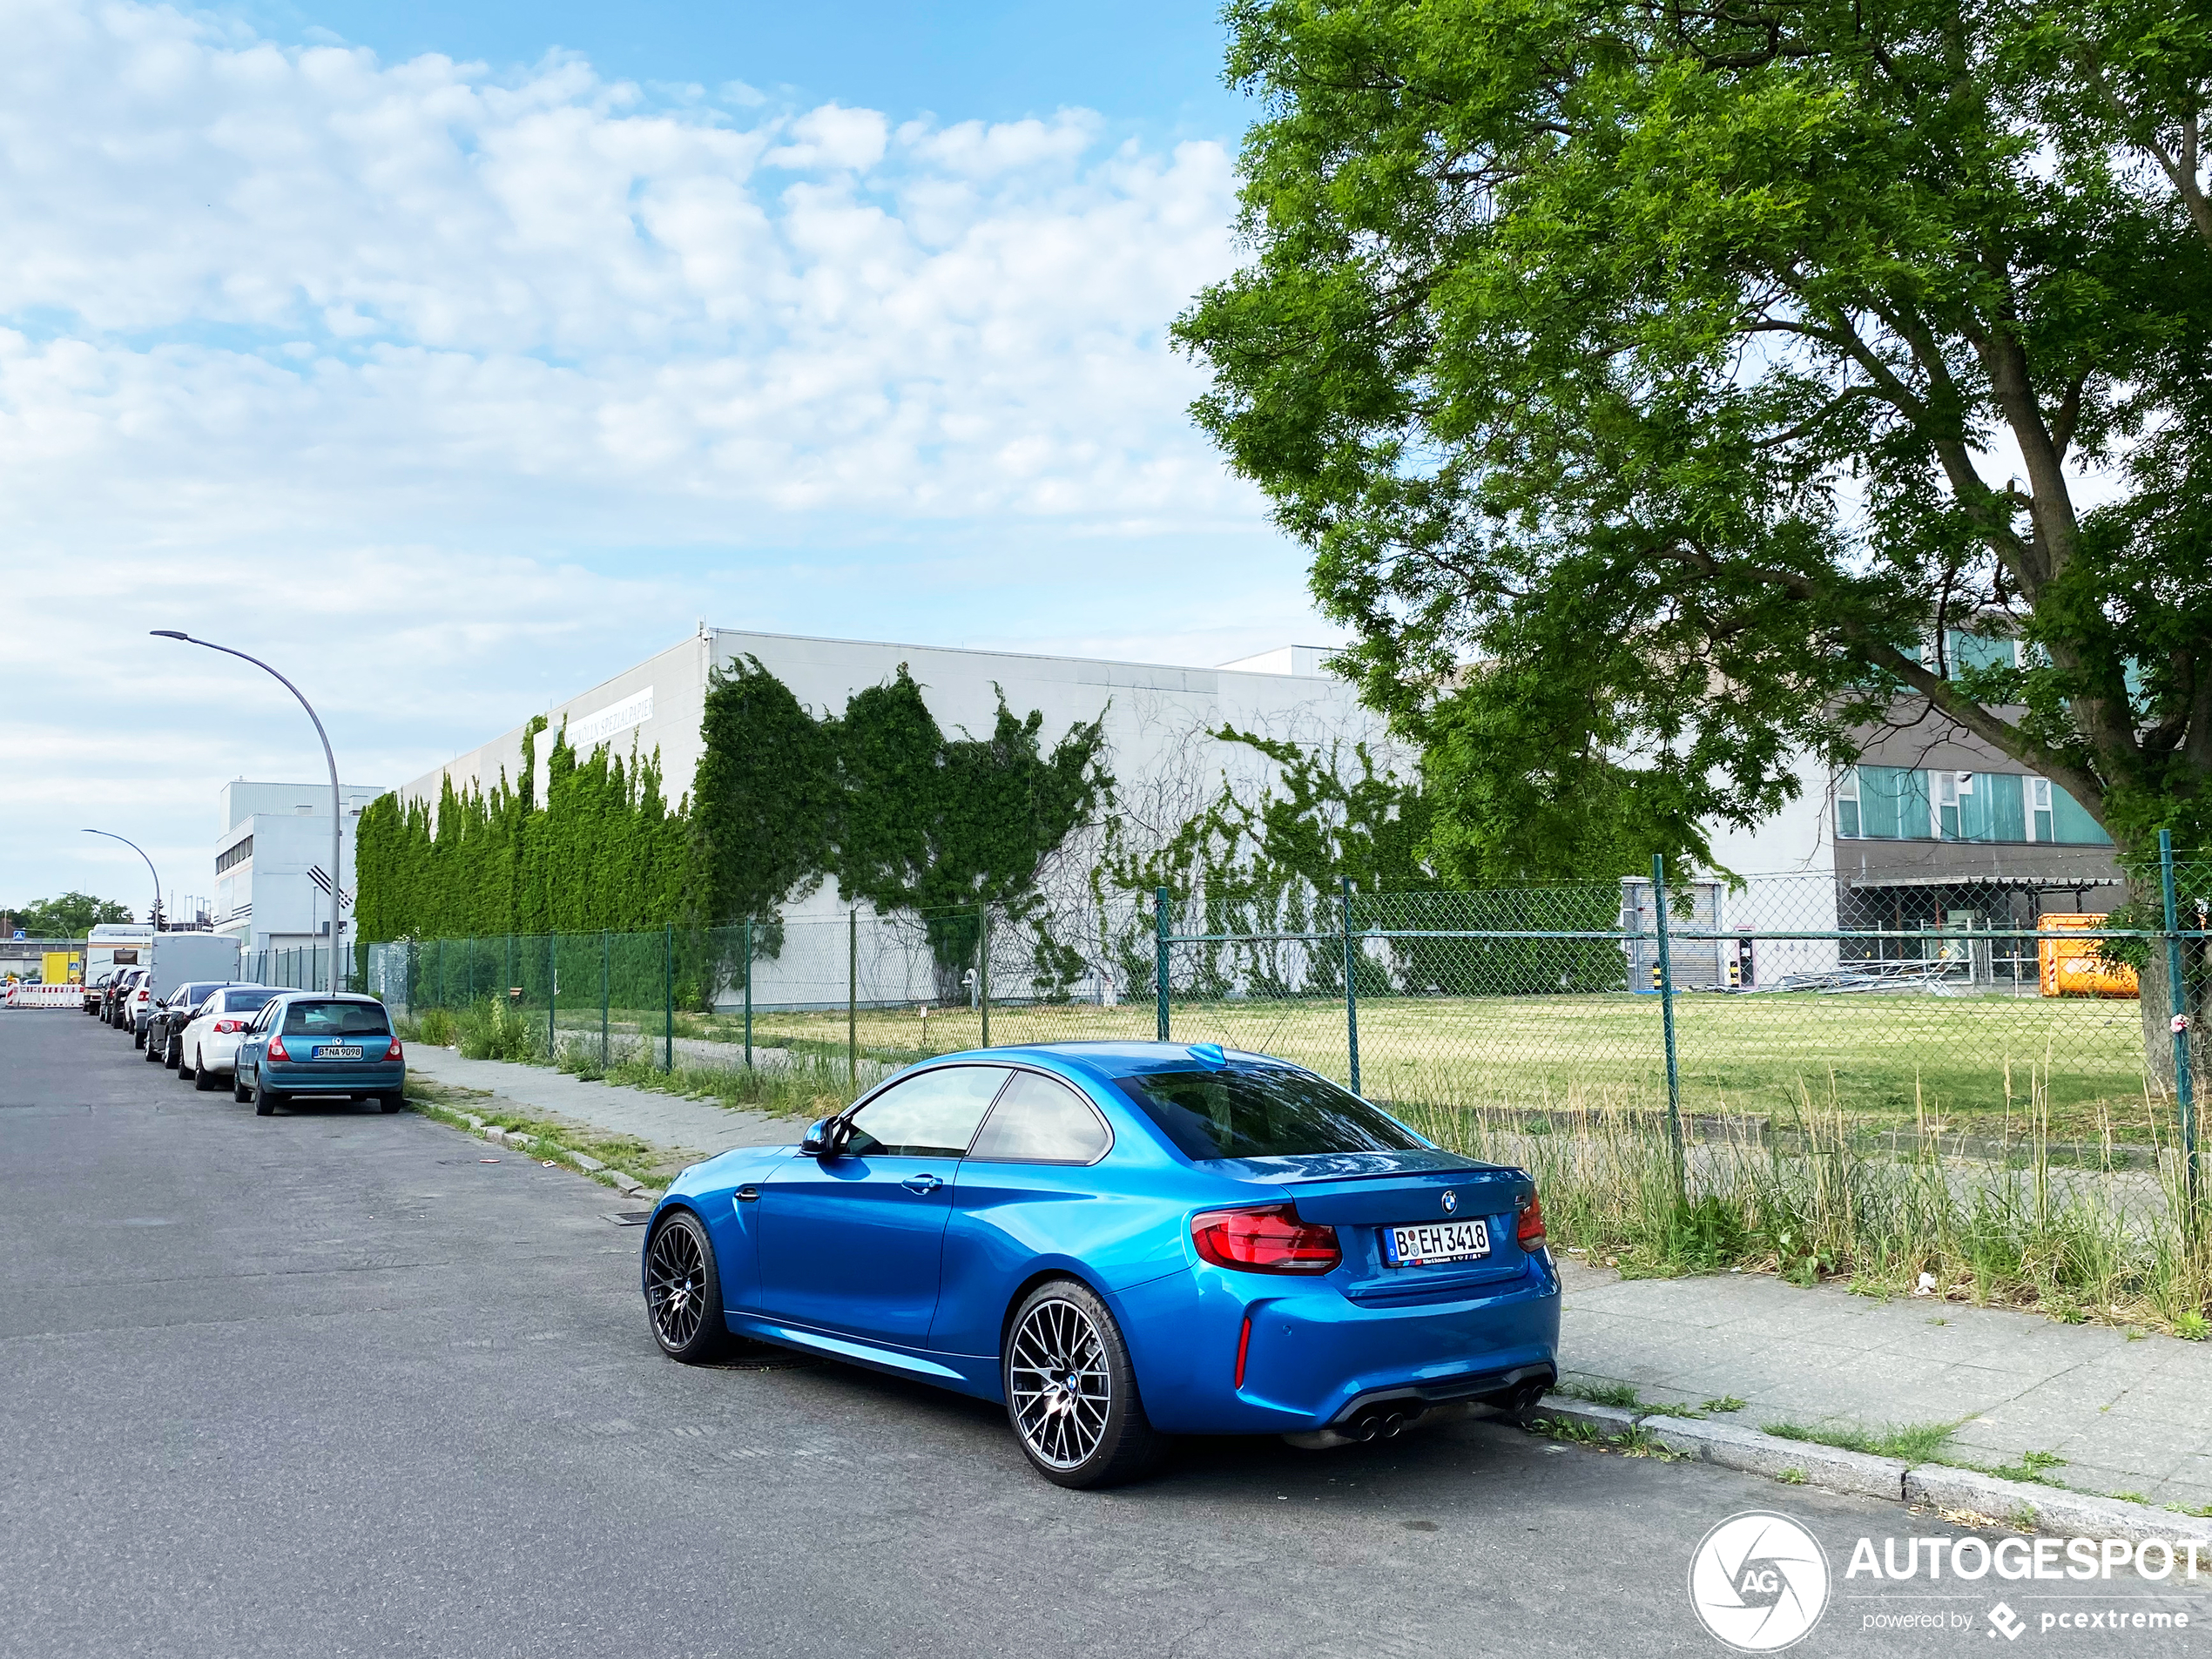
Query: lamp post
point(153, 915)
point(336, 822)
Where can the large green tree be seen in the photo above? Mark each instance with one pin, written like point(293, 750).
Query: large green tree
point(1669, 386)
point(70, 916)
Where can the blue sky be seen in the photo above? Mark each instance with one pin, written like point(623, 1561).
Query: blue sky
point(456, 358)
point(1155, 63)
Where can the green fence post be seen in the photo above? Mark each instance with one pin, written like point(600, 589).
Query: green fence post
point(1667, 1022)
point(983, 967)
point(748, 992)
point(1160, 972)
point(2177, 993)
point(443, 999)
point(668, 1001)
point(552, 992)
point(1350, 988)
point(852, 996)
point(606, 990)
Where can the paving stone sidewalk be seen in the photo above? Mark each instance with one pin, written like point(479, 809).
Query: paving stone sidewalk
point(695, 1128)
point(2129, 1417)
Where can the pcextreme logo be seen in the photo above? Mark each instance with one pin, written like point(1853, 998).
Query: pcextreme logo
point(1759, 1582)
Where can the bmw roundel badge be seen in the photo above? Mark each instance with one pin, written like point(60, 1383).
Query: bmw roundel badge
point(1451, 1201)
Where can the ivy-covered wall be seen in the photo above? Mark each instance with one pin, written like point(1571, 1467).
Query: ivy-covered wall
point(902, 815)
point(604, 850)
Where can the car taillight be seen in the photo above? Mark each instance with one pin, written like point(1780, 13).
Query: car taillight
point(277, 1050)
point(1268, 1239)
point(230, 1025)
point(1529, 1230)
point(393, 1053)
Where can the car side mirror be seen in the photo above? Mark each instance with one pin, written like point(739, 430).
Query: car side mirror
point(824, 1138)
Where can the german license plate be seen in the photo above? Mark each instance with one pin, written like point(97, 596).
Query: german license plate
point(1432, 1241)
point(339, 1051)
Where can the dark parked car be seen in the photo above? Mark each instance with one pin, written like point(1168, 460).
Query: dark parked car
point(166, 1025)
point(115, 1006)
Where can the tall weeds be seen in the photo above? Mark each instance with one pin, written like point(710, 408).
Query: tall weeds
point(1821, 1197)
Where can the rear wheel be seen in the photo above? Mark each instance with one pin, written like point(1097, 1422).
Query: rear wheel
point(683, 1291)
point(265, 1099)
point(392, 1102)
point(1071, 1391)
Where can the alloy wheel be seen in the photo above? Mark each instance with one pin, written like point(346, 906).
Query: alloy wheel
point(1062, 1389)
point(676, 1284)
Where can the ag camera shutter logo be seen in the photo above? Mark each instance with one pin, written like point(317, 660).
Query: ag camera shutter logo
point(1759, 1582)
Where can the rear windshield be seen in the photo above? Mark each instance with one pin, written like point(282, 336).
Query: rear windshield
point(1262, 1112)
point(335, 1020)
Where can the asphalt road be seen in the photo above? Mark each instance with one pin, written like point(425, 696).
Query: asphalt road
point(338, 1383)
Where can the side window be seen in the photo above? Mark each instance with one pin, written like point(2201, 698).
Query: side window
point(1038, 1121)
point(933, 1114)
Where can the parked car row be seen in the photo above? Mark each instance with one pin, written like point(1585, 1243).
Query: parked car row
point(269, 1044)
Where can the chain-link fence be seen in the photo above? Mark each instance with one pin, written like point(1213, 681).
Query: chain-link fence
point(1966, 1007)
point(1650, 1050)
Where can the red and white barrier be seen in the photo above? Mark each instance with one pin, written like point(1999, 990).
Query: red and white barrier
point(45, 997)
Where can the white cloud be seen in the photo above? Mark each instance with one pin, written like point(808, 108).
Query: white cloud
point(463, 340)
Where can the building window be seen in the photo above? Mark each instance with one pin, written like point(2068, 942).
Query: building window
point(234, 854)
point(1847, 806)
point(1950, 787)
point(1893, 804)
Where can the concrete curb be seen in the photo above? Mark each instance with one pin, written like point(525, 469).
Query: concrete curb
point(2049, 1509)
point(2016, 1503)
point(1769, 1454)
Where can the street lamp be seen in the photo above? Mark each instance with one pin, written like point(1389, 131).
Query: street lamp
point(154, 915)
point(336, 821)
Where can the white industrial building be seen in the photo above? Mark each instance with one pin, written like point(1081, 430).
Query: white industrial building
point(272, 883)
point(1158, 723)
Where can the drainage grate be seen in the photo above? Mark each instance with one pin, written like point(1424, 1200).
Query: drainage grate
point(628, 1217)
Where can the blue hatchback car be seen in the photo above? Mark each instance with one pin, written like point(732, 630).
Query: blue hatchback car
point(319, 1042)
point(1123, 1241)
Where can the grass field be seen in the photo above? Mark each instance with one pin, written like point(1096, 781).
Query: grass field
point(1901, 1057)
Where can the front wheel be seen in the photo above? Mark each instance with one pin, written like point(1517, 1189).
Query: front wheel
point(265, 1099)
point(1071, 1391)
point(683, 1289)
point(202, 1079)
point(240, 1092)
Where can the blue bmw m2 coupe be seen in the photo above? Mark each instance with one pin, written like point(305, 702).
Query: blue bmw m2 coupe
point(1121, 1241)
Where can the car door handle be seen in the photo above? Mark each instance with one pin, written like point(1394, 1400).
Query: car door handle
point(924, 1184)
point(748, 1194)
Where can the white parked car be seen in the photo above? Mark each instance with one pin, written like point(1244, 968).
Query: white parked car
point(211, 1040)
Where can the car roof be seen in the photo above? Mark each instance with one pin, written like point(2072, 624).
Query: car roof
point(333, 996)
point(1109, 1059)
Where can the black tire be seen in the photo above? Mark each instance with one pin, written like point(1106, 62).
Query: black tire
point(265, 1099)
point(139, 1039)
point(1071, 1392)
point(684, 1290)
point(392, 1102)
point(238, 1091)
point(172, 1053)
point(202, 1079)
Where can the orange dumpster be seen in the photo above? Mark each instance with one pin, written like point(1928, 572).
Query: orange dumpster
point(2072, 967)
